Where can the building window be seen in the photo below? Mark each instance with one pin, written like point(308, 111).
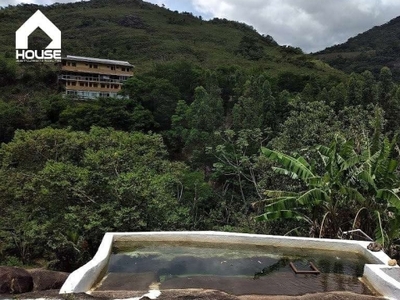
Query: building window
point(103, 85)
point(81, 84)
point(95, 84)
point(90, 66)
point(96, 66)
point(123, 69)
point(64, 63)
point(74, 83)
point(112, 68)
point(68, 63)
point(74, 64)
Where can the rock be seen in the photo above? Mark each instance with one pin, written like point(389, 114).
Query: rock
point(374, 247)
point(47, 280)
point(392, 262)
point(15, 280)
point(132, 21)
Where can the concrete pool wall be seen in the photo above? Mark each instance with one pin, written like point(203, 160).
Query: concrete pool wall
point(83, 279)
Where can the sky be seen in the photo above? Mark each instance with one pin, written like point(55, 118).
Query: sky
point(311, 25)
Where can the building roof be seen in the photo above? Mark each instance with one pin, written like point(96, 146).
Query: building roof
point(99, 60)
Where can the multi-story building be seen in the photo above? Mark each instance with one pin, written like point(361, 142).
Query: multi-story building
point(88, 78)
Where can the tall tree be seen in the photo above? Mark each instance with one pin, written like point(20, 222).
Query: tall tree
point(354, 90)
point(369, 89)
point(385, 87)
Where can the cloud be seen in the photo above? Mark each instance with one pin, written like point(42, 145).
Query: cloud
point(5, 3)
point(309, 24)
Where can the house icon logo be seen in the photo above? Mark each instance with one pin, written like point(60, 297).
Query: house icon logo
point(52, 51)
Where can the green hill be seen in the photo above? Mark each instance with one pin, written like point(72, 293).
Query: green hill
point(146, 34)
point(182, 152)
point(371, 50)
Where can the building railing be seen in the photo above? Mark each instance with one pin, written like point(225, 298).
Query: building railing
point(82, 96)
point(90, 78)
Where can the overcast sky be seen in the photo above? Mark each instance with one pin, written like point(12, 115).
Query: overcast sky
point(309, 24)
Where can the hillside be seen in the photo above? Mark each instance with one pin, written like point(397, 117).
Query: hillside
point(216, 118)
point(145, 34)
point(371, 50)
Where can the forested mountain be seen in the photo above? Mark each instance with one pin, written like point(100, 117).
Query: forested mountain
point(371, 50)
point(146, 34)
point(223, 129)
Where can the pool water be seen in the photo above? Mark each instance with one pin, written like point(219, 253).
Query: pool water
point(235, 269)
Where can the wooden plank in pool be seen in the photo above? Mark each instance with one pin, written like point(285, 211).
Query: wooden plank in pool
point(313, 270)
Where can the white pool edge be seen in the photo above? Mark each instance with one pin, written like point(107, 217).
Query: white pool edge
point(82, 279)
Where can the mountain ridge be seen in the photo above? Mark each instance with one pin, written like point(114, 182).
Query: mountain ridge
point(146, 34)
point(370, 50)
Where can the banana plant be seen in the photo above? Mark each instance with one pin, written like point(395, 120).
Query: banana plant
point(354, 180)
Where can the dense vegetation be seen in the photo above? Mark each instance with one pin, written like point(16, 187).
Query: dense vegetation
point(371, 50)
point(145, 34)
point(239, 142)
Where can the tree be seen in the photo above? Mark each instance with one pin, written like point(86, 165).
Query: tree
point(369, 89)
point(354, 91)
point(385, 87)
point(156, 95)
point(393, 112)
point(250, 48)
point(182, 74)
point(195, 124)
point(12, 117)
point(355, 178)
point(257, 108)
point(324, 96)
point(337, 96)
point(8, 72)
point(57, 181)
point(120, 114)
point(236, 157)
point(308, 124)
point(248, 113)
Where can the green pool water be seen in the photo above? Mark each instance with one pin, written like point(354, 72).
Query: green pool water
point(235, 269)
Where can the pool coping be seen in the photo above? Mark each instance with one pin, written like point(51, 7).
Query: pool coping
point(82, 279)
